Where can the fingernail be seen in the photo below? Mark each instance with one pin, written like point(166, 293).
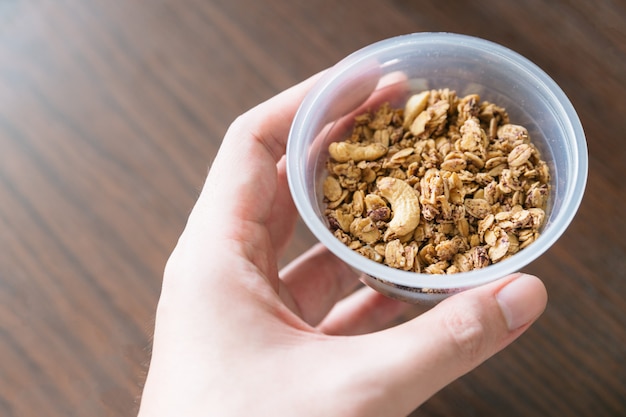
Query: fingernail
point(522, 300)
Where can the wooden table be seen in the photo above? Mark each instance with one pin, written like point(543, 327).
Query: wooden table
point(111, 111)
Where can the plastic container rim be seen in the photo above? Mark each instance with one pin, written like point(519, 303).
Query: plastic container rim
point(576, 148)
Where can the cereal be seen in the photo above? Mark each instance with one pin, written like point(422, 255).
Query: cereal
point(444, 185)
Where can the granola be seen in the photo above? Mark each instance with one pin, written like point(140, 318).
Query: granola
point(445, 185)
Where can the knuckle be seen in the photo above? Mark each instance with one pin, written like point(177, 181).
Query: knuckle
point(467, 335)
point(240, 123)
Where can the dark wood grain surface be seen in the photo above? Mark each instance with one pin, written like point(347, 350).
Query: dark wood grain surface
point(112, 110)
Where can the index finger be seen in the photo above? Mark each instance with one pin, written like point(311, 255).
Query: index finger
point(242, 178)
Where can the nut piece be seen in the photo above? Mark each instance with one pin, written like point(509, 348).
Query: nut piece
point(513, 133)
point(414, 106)
point(477, 208)
point(332, 188)
point(454, 164)
point(499, 243)
point(519, 155)
point(365, 230)
point(404, 201)
point(431, 119)
point(345, 151)
point(483, 187)
point(394, 255)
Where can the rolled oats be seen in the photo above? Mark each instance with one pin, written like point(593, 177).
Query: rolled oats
point(445, 185)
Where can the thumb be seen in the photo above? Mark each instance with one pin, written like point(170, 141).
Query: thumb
point(417, 359)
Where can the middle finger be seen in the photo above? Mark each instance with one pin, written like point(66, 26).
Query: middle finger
point(314, 282)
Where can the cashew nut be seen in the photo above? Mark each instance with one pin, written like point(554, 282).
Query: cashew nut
point(430, 119)
point(358, 203)
point(414, 106)
point(404, 202)
point(345, 151)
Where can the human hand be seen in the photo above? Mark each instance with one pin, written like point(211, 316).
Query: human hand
point(236, 337)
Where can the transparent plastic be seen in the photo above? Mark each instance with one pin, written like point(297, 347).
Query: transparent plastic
point(393, 69)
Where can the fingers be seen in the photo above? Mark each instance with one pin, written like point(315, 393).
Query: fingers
point(367, 311)
point(321, 289)
point(374, 90)
point(282, 219)
point(242, 184)
point(314, 282)
point(269, 122)
point(243, 175)
point(414, 360)
point(247, 184)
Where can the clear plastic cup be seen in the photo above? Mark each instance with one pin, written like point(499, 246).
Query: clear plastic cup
point(393, 69)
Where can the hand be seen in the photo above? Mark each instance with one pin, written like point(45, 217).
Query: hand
point(234, 337)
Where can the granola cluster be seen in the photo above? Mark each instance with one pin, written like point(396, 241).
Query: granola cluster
point(444, 185)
